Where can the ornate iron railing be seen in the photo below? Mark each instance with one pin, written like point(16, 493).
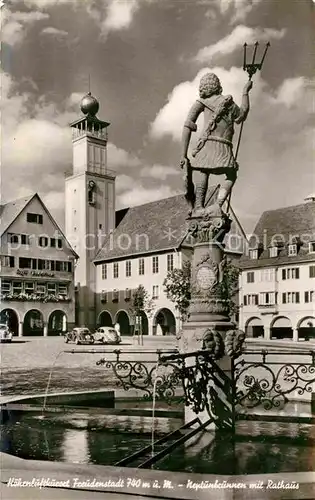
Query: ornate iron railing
point(268, 378)
point(165, 379)
point(252, 379)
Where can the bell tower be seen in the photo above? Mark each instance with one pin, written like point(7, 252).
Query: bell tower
point(90, 203)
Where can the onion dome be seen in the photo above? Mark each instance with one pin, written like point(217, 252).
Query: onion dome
point(89, 105)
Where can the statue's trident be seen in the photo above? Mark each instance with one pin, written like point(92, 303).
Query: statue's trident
point(251, 69)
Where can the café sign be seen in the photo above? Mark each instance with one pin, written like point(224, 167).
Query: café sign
point(41, 274)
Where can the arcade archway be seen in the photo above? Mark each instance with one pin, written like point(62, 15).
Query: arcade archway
point(164, 323)
point(57, 323)
point(105, 319)
point(254, 328)
point(281, 328)
point(33, 323)
point(124, 322)
point(10, 318)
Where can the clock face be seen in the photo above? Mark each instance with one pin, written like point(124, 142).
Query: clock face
point(91, 184)
point(205, 277)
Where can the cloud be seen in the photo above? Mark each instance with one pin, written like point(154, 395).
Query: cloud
point(50, 30)
point(118, 158)
point(15, 24)
point(236, 39)
point(160, 172)
point(120, 14)
point(140, 194)
point(291, 91)
point(235, 10)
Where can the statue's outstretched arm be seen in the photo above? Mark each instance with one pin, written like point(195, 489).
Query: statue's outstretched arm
point(244, 109)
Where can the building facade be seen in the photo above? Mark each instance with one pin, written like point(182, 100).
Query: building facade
point(149, 241)
point(277, 282)
point(89, 203)
point(37, 270)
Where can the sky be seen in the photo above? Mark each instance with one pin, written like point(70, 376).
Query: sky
point(144, 60)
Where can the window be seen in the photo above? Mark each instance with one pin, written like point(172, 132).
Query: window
point(155, 264)
point(273, 252)
point(58, 264)
point(51, 288)
point(141, 266)
point(62, 289)
point(291, 298)
point(311, 247)
point(253, 254)
point(41, 288)
point(127, 294)
point(69, 267)
point(268, 298)
point(103, 296)
point(34, 263)
point(7, 261)
point(312, 271)
point(267, 275)
point(251, 300)
point(309, 296)
point(35, 218)
point(25, 263)
point(155, 292)
point(251, 277)
point(115, 295)
point(17, 286)
point(128, 268)
point(116, 270)
point(292, 250)
point(59, 243)
point(25, 239)
point(104, 271)
point(5, 286)
point(291, 273)
point(53, 242)
point(29, 287)
point(43, 241)
point(170, 262)
point(13, 238)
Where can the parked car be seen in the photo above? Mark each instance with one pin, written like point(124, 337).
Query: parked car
point(5, 333)
point(107, 335)
point(79, 336)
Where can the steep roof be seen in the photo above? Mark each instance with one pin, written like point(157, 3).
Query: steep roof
point(153, 227)
point(9, 211)
point(284, 225)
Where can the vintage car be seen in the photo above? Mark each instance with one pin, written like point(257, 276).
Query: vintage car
point(5, 333)
point(107, 335)
point(79, 336)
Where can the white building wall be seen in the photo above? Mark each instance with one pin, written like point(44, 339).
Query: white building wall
point(268, 314)
point(148, 280)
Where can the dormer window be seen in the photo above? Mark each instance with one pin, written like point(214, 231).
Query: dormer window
point(311, 248)
point(253, 254)
point(273, 251)
point(292, 249)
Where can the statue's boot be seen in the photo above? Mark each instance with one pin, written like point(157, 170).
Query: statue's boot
point(199, 209)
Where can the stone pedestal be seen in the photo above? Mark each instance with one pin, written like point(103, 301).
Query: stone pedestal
point(209, 327)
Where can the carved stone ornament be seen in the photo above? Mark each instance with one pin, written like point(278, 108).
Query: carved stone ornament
point(212, 341)
point(206, 274)
point(209, 228)
point(234, 341)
